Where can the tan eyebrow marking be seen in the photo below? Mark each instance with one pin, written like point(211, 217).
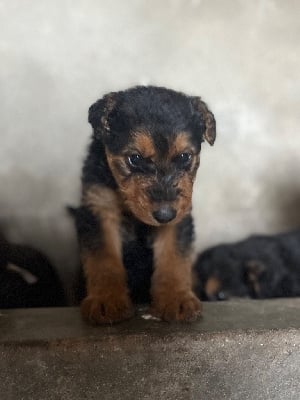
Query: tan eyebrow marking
point(181, 144)
point(143, 144)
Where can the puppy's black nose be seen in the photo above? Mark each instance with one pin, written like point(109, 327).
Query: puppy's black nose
point(164, 214)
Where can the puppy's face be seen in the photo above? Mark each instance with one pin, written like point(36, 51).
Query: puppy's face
point(152, 138)
point(156, 185)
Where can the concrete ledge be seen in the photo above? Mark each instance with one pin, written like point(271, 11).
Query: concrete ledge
point(239, 350)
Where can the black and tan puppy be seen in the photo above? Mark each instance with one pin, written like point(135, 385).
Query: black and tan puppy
point(135, 216)
point(260, 267)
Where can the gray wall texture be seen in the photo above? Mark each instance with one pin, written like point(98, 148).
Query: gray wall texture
point(57, 57)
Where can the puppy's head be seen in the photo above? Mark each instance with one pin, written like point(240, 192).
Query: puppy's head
point(152, 138)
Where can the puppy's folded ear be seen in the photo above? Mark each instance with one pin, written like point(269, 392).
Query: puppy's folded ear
point(207, 116)
point(99, 113)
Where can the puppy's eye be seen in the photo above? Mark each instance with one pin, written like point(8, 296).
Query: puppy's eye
point(135, 160)
point(183, 159)
point(139, 164)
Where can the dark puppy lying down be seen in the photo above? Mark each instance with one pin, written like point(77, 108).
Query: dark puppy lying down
point(27, 278)
point(258, 267)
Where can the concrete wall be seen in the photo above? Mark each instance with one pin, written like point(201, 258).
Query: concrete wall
point(57, 57)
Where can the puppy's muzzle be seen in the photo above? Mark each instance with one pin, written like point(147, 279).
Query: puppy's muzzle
point(164, 214)
point(160, 193)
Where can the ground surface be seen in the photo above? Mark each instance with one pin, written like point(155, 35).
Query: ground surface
point(239, 350)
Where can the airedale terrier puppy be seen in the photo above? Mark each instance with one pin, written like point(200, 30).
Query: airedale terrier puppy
point(134, 224)
point(260, 267)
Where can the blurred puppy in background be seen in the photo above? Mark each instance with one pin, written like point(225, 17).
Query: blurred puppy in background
point(27, 278)
point(259, 267)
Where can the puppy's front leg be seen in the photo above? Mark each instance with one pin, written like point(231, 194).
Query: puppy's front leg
point(171, 290)
point(107, 298)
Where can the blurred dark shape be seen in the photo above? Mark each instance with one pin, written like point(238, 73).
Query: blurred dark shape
point(259, 267)
point(27, 278)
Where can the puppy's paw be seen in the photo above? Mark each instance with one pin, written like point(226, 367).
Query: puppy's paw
point(182, 306)
point(106, 309)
